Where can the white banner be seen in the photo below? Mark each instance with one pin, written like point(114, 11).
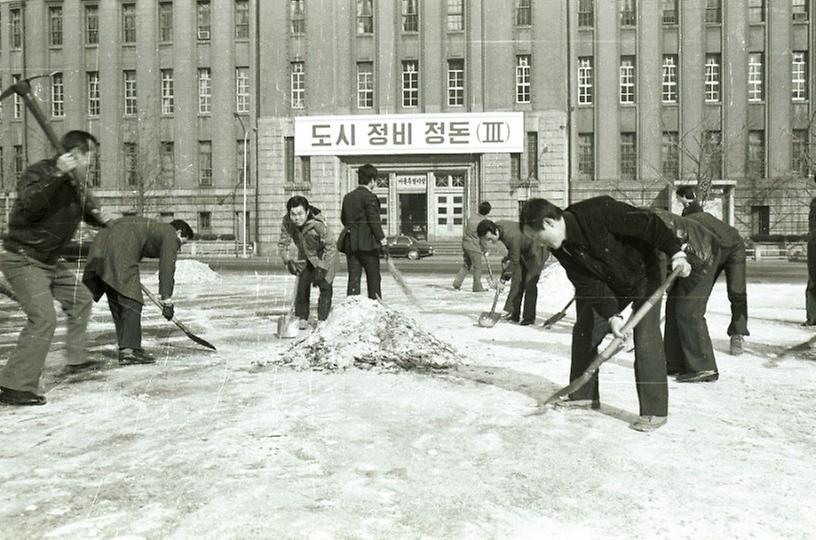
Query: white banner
point(444, 133)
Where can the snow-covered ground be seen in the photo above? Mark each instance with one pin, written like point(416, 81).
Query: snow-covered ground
point(232, 444)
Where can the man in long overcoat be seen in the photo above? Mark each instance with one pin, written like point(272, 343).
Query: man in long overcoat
point(112, 269)
point(364, 235)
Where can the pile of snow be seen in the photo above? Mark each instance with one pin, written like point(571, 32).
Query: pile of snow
point(364, 333)
point(190, 271)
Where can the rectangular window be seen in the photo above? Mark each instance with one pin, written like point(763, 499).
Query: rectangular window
point(586, 14)
point(585, 80)
point(365, 85)
point(204, 91)
point(628, 15)
point(712, 155)
point(131, 155)
point(586, 156)
point(242, 89)
point(756, 154)
point(800, 157)
point(16, 24)
point(242, 166)
point(523, 78)
point(19, 160)
point(167, 163)
point(94, 171)
point(760, 220)
point(456, 15)
point(756, 76)
point(130, 92)
point(55, 26)
point(799, 76)
point(205, 222)
point(168, 101)
point(523, 12)
point(166, 22)
point(298, 85)
point(713, 12)
point(712, 78)
point(670, 156)
point(91, 24)
point(456, 83)
point(297, 17)
point(532, 154)
point(18, 101)
point(93, 93)
point(515, 167)
point(669, 92)
point(128, 23)
point(241, 19)
point(627, 79)
point(365, 16)
point(756, 11)
point(203, 20)
point(289, 159)
point(410, 83)
point(410, 16)
point(799, 10)
point(57, 95)
point(669, 8)
point(205, 177)
point(305, 169)
point(628, 156)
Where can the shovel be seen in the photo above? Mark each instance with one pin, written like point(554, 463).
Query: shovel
point(488, 319)
point(558, 316)
point(288, 324)
point(491, 281)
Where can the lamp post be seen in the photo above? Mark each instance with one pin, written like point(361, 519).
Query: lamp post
point(244, 212)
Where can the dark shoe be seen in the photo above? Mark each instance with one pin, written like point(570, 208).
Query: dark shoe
point(673, 371)
point(90, 365)
point(708, 375)
point(737, 345)
point(20, 397)
point(646, 424)
point(480, 290)
point(129, 357)
point(527, 322)
point(808, 323)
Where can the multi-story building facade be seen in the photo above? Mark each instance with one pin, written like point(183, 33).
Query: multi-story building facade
point(454, 101)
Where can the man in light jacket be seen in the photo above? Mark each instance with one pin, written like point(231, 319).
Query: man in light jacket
point(472, 253)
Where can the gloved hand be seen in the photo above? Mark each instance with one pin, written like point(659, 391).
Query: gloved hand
point(679, 261)
point(506, 274)
point(616, 323)
point(293, 267)
point(168, 311)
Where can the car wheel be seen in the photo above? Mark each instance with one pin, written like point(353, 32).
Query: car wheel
point(413, 255)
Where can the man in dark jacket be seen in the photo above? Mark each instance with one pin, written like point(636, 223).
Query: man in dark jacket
point(687, 342)
point(364, 235)
point(732, 260)
point(522, 266)
point(112, 269)
point(810, 292)
point(317, 255)
point(49, 207)
point(472, 250)
point(608, 249)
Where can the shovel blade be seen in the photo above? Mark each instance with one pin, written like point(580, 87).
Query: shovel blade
point(554, 319)
point(488, 319)
point(288, 327)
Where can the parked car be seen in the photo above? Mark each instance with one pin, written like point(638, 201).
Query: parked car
point(408, 246)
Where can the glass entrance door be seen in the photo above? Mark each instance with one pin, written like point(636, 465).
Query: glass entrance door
point(413, 211)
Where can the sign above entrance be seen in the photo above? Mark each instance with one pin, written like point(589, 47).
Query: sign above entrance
point(413, 181)
point(444, 133)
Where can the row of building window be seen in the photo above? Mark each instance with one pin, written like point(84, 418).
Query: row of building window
point(522, 14)
point(712, 80)
point(409, 80)
point(128, 23)
point(670, 14)
point(129, 84)
point(704, 154)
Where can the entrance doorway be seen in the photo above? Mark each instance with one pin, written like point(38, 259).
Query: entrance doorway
point(413, 209)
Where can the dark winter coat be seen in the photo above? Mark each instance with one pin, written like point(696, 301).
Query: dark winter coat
point(521, 250)
point(728, 236)
point(701, 245)
point(608, 249)
point(117, 250)
point(46, 213)
point(360, 215)
point(314, 241)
